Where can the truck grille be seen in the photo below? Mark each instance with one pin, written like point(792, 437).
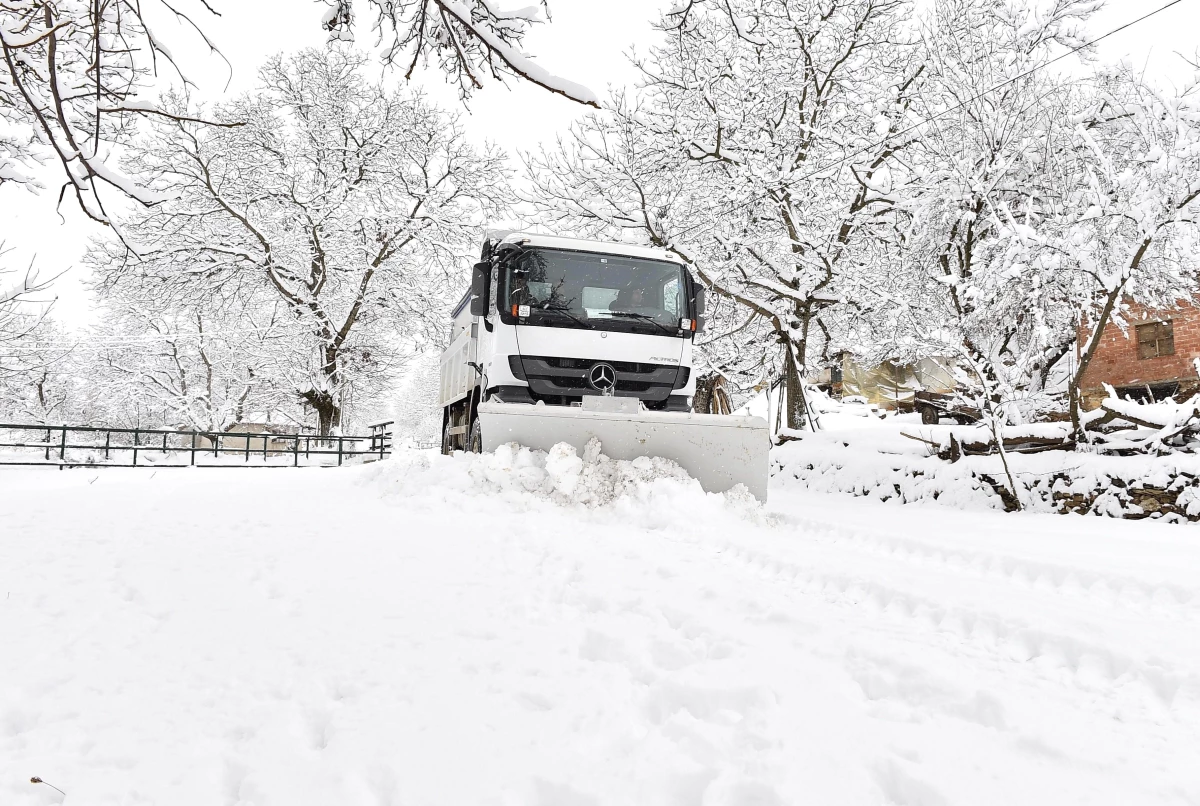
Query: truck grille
point(554, 377)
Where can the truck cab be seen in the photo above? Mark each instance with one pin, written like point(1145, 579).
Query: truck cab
point(551, 321)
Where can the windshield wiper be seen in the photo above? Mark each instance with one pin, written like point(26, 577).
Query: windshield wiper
point(563, 309)
point(645, 318)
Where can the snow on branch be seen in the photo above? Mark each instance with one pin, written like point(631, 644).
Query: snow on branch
point(23, 319)
point(71, 73)
point(468, 38)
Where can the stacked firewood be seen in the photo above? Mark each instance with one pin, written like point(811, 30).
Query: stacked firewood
point(1136, 501)
point(1118, 427)
point(1126, 427)
point(1112, 497)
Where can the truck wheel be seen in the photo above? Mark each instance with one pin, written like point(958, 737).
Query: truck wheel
point(447, 440)
point(475, 444)
point(929, 415)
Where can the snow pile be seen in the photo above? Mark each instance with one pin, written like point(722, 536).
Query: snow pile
point(592, 479)
point(651, 490)
point(880, 465)
point(886, 465)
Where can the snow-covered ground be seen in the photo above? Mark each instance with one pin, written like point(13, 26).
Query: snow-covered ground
point(428, 631)
point(861, 451)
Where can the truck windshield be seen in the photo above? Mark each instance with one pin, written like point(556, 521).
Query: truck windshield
point(588, 289)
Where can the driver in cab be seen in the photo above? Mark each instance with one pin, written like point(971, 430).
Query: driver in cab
point(634, 300)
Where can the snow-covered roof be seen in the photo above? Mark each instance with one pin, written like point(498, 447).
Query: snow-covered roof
point(607, 247)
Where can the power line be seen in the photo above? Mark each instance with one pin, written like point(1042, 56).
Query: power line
point(945, 112)
point(136, 343)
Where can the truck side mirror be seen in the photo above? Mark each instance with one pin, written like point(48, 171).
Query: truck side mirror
point(699, 324)
point(479, 289)
point(701, 301)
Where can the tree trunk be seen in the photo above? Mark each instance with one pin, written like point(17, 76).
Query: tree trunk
point(329, 415)
point(323, 401)
point(1074, 392)
point(702, 400)
point(711, 396)
point(797, 415)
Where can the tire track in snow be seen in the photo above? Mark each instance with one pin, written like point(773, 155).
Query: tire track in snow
point(1090, 666)
point(1077, 665)
point(996, 653)
point(922, 632)
point(1106, 589)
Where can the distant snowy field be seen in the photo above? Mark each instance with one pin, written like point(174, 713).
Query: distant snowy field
point(463, 631)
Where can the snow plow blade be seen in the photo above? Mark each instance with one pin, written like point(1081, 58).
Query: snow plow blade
point(719, 451)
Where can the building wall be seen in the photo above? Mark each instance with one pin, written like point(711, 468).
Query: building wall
point(233, 442)
point(1116, 361)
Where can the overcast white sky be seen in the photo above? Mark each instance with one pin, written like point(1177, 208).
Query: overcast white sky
point(587, 42)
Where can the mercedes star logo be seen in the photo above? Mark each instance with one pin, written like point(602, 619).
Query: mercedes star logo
point(602, 377)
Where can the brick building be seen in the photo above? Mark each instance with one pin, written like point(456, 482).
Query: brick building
point(1155, 357)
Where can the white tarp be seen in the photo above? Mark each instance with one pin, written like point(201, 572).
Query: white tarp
point(889, 384)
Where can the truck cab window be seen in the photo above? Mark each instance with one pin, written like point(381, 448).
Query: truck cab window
point(671, 294)
point(566, 288)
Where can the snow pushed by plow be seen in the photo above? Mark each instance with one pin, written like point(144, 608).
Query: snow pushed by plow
point(592, 479)
point(649, 488)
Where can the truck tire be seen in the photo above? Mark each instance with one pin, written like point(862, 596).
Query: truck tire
point(930, 415)
point(447, 440)
point(475, 443)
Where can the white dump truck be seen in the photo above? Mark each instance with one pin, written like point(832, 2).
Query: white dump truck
point(563, 340)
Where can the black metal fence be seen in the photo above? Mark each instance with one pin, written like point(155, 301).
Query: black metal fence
point(91, 446)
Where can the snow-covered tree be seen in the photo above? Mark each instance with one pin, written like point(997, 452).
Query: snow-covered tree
point(983, 278)
point(202, 368)
point(354, 206)
point(762, 146)
point(75, 74)
point(1137, 229)
point(414, 406)
point(17, 315)
point(24, 329)
point(40, 377)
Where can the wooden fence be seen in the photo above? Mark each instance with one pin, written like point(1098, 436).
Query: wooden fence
point(93, 446)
